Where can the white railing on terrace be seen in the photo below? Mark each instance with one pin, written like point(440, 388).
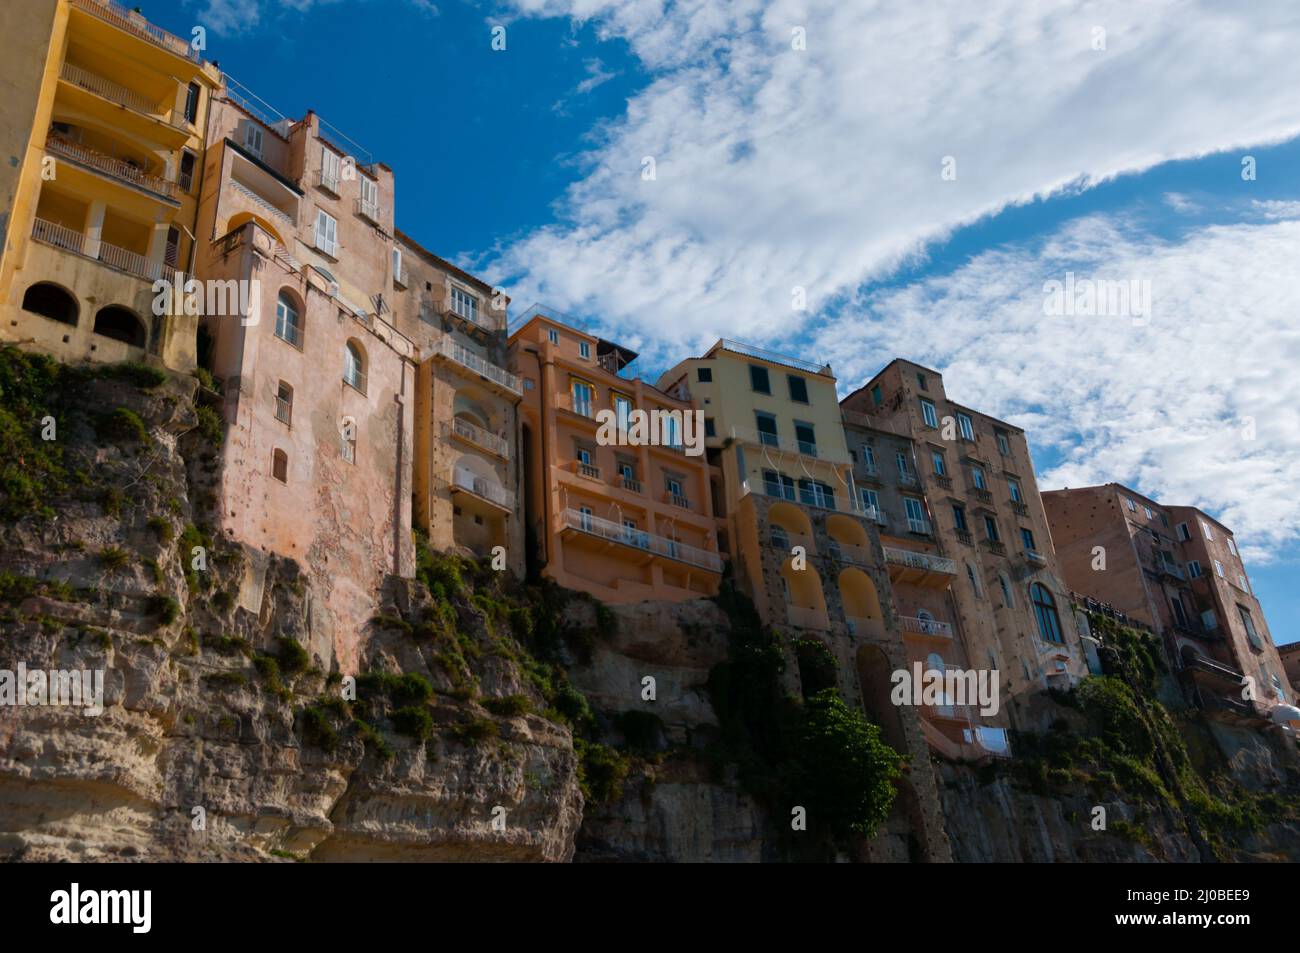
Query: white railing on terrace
point(640, 539)
point(61, 236)
point(479, 437)
point(448, 348)
point(750, 350)
point(777, 442)
point(117, 168)
point(480, 486)
point(915, 560)
point(805, 497)
point(925, 626)
point(258, 200)
point(115, 92)
point(134, 23)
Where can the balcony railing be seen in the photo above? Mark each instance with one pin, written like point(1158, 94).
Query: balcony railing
point(1035, 557)
point(368, 210)
point(915, 560)
point(676, 499)
point(631, 484)
point(942, 481)
point(907, 477)
point(489, 490)
point(283, 410)
point(919, 526)
point(981, 494)
point(116, 93)
point(995, 546)
point(448, 348)
point(875, 514)
point(925, 626)
point(328, 182)
point(869, 471)
point(61, 236)
point(964, 536)
point(589, 470)
point(775, 357)
point(261, 202)
point(132, 22)
point(116, 168)
point(1019, 508)
point(763, 438)
point(639, 539)
point(480, 437)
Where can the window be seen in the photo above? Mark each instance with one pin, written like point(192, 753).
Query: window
point(626, 470)
point(329, 168)
point(1205, 528)
point(398, 274)
point(623, 411)
point(466, 305)
point(253, 138)
point(778, 485)
point(553, 335)
point(959, 519)
point(798, 389)
point(327, 233)
point(709, 429)
point(584, 513)
point(1183, 532)
point(806, 437)
point(1277, 685)
point(1180, 614)
point(916, 521)
point(192, 103)
point(758, 381)
point(966, 426)
point(900, 459)
point(875, 395)
point(284, 403)
point(348, 436)
point(1232, 547)
point(673, 486)
point(869, 456)
point(1004, 444)
point(1194, 569)
point(977, 475)
point(1149, 515)
point(940, 467)
point(1027, 538)
point(354, 367)
point(582, 397)
point(369, 197)
point(186, 177)
point(1007, 599)
point(1049, 623)
point(870, 501)
point(584, 350)
point(928, 413)
point(974, 581)
point(1209, 620)
point(1014, 489)
point(766, 429)
point(991, 529)
point(816, 493)
point(920, 381)
point(1218, 568)
point(288, 326)
point(1249, 623)
point(280, 465)
point(1241, 583)
point(1132, 507)
point(704, 375)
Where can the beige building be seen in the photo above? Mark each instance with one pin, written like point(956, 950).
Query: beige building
point(982, 509)
point(319, 386)
point(1178, 571)
point(103, 120)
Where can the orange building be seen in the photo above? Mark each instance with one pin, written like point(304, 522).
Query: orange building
point(609, 509)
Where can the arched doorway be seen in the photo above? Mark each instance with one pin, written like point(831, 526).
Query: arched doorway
point(120, 324)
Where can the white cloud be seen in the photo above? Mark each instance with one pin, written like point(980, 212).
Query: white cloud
point(1163, 407)
point(821, 169)
point(597, 75)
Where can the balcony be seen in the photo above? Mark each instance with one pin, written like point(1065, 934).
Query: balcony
point(69, 240)
point(117, 169)
point(815, 499)
point(1034, 557)
point(923, 569)
point(920, 527)
point(283, 410)
point(807, 618)
point(771, 441)
point(1019, 508)
point(135, 24)
point(488, 491)
point(476, 436)
point(367, 210)
point(997, 547)
point(908, 478)
point(942, 481)
point(149, 113)
point(328, 182)
point(649, 543)
point(631, 484)
point(677, 500)
point(1171, 569)
point(964, 537)
point(979, 493)
point(876, 515)
point(931, 628)
point(447, 348)
point(774, 357)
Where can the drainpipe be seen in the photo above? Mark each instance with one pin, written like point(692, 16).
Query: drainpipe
point(546, 490)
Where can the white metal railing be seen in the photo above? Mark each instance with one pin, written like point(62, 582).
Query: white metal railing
point(750, 350)
point(283, 410)
point(776, 442)
point(449, 349)
point(651, 542)
point(806, 617)
point(329, 183)
point(925, 626)
point(480, 437)
point(133, 22)
point(60, 236)
point(117, 168)
point(368, 210)
point(258, 200)
point(107, 89)
point(915, 560)
point(482, 487)
point(919, 526)
point(808, 497)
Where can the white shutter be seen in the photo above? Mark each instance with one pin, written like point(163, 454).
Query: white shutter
point(253, 139)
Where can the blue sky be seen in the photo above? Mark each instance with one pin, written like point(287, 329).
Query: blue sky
point(780, 166)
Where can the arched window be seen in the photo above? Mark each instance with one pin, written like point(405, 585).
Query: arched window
point(288, 320)
point(51, 301)
point(280, 465)
point(354, 366)
point(974, 581)
point(1049, 623)
point(1007, 598)
point(121, 325)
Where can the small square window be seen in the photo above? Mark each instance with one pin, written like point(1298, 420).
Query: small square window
point(704, 375)
point(584, 349)
point(758, 380)
point(798, 389)
point(553, 335)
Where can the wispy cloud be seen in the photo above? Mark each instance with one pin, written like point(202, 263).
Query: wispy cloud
point(597, 75)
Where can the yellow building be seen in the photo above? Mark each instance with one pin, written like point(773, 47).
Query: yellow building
point(104, 118)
